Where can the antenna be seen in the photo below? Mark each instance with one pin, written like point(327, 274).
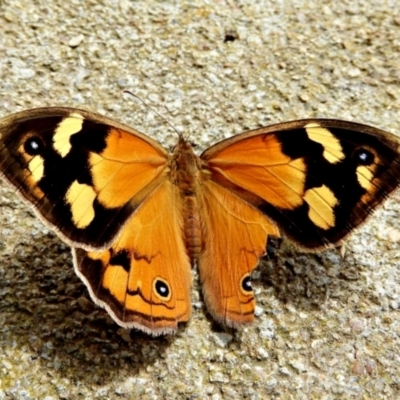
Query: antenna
point(154, 111)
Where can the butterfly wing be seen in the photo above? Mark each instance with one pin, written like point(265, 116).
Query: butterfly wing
point(104, 188)
point(234, 238)
point(317, 179)
point(83, 173)
point(144, 279)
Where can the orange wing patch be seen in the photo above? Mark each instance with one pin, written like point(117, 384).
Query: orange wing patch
point(126, 166)
point(144, 279)
point(258, 165)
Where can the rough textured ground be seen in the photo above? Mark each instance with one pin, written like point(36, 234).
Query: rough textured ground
point(327, 326)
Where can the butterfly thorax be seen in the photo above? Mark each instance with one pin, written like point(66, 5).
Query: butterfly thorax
point(185, 172)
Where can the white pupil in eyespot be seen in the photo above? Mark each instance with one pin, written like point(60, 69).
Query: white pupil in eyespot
point(363, 156)
point(34, 145)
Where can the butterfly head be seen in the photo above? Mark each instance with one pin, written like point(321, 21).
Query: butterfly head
point(184, 161)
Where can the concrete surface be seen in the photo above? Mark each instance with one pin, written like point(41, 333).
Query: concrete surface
point(327, 326)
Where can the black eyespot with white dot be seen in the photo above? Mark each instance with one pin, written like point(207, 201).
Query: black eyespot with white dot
point(34, 146)
point(246, 284)
point(364, 157)
point(162, 289)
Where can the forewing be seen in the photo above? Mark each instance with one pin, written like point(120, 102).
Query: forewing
point(317, 179)
point(84, 174)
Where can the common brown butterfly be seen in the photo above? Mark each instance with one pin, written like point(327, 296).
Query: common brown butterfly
point(138, 218)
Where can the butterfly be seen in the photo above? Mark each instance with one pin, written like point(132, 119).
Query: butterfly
point(138, 218)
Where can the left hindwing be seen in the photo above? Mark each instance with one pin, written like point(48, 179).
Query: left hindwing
point(317, 179)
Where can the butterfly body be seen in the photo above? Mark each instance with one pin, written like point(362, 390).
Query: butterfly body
point(186, 174)
point(138, 218)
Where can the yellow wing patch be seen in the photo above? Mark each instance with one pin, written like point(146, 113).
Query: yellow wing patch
point(80, 198)
point(333, 150)
point(36, 168)
point(365, 176)
point(66, 128)
point(115, 280)
point(321, 201)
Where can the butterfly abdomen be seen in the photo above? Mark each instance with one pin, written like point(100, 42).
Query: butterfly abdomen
point(185, 171)
point(191, 229)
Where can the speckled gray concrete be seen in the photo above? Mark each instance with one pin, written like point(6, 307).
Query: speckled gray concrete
point(327, 327)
